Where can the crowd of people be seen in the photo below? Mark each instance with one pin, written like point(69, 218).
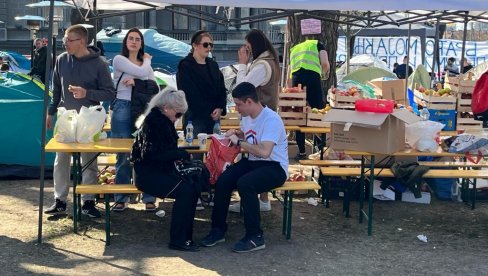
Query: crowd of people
point(81, 78)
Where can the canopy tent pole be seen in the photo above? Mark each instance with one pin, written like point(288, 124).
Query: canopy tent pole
point(408, 64)
point(43, 119)
point(435, 54)
point(95, 26)
point(465, 32)
point(284, 70)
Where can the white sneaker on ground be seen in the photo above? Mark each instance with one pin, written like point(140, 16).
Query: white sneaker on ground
point(199, 206)
point(264, 206)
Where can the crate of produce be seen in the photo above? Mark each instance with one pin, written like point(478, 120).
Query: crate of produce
point(230, 119)
point(344, 99)
point(442, 100)
point(446, 117)
point(293, 116)
point(466, 121)
point(461, 84)
point(315, 116)
point(294, 99)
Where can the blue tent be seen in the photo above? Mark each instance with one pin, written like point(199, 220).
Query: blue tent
point(21, 106)
point(166, 52)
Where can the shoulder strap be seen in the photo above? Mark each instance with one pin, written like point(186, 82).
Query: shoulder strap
point(117, 85)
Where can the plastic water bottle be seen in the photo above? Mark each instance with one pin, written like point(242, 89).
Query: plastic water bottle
point(216, 127)
point(189, 133)
point(424, 114)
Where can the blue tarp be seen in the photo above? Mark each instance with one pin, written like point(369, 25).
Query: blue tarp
point(18, 62)
point(166, 52)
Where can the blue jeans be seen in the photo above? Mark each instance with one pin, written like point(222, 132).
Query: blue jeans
point(121, 128)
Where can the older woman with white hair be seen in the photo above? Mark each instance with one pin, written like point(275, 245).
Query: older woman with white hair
point(154, 152)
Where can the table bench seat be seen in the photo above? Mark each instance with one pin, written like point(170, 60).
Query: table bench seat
point(432, 164)
point(455, 173)
point(288, 188)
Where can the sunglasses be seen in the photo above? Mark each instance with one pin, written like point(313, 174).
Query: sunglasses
point(178, 115)
point(206, 44)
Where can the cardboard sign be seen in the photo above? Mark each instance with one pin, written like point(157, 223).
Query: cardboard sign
point(311, 26)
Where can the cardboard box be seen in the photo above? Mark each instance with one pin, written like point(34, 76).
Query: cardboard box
point(391, 89)
point(367, 131)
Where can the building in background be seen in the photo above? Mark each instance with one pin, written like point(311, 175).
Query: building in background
point(14, 35)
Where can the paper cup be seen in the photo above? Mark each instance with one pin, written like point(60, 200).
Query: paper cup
point(202, 140)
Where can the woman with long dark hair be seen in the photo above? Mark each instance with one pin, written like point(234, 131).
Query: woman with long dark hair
point(132, 63)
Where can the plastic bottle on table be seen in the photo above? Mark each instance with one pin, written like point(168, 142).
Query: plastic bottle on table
point(189, 133)
point(216, 127)
point(424, 114)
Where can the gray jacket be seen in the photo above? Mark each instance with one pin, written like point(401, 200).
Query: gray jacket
point(89, 72)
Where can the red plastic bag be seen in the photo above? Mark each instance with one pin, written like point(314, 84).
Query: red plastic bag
point(220, 155)
point(479, 101)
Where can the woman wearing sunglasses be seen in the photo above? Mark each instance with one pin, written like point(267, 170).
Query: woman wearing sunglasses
point(131, 64)
point(154, 152)
point(264, 73)
point(200, 77)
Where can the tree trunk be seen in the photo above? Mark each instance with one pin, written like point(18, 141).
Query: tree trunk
point(328, 37)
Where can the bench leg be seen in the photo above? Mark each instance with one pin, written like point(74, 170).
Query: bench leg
point(473, 195)
point(361, 191)
point(326, 191)
point(75, 170)
point(347, 200)
point(107, 220)
point(287, 213)
point(370, 197)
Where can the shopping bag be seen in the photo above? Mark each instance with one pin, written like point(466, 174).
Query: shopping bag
point(65, 128)
point(221, 154)
point(479, 101)
point(90, 123)
point(470, 145)
point(423, 135)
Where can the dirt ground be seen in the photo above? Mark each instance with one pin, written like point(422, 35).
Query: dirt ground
point(323, 241)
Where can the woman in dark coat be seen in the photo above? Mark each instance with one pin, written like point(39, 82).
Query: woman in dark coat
point(199, 76)
point(154, 152)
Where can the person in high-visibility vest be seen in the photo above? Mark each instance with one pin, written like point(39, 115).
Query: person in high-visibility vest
point(309, 63)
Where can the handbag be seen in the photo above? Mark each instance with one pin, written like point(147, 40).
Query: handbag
point(141, 95)
point(194, 171)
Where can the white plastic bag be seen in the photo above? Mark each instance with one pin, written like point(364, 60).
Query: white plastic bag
point(425, 131)
point(90, 124)
point(65, 129)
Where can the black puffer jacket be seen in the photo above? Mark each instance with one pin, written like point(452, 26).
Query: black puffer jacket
point(156, 144)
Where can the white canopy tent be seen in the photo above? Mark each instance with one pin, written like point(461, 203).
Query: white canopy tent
point(477, 8)
point(358, 5)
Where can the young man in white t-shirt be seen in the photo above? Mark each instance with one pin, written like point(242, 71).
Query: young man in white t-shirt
point(263, 136)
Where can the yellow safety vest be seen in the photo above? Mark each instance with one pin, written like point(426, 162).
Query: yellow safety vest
point(306, 56)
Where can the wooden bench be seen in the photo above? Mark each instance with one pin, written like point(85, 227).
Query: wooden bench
point(386, 172)
point(288, 188)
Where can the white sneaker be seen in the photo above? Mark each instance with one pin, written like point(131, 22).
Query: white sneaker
point(199, 206)
point(235, 208)
point(263, 206)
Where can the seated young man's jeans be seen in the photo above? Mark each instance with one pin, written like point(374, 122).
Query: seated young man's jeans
point(250, 178)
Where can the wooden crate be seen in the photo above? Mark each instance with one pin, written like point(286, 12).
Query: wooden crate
point(337, 101)
point(293, 118)
point(433, 102)
point(464, 102)
point(459, 84)
point(468, 123)
point(292, 99)
point(315, 120)
point(230, 119)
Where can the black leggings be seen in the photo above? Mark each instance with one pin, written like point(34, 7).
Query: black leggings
point(315, 96)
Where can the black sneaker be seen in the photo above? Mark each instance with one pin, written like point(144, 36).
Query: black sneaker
point(58, 207)
point(215, 236)
point(249, 244)
point(301, 156)
point(88, 209)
